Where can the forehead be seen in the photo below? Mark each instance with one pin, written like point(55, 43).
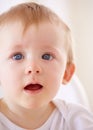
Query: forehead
point(10, 33)
point(46, 32)
point(43, 32)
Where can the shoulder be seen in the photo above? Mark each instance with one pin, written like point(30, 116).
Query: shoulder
point(70, 108)
point(75, 114)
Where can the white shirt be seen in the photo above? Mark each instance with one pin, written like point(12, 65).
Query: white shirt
point(66, 116)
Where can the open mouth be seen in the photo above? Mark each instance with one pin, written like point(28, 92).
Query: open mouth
point(33, 87)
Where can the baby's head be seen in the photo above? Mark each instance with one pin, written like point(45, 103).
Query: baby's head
point(34, 14)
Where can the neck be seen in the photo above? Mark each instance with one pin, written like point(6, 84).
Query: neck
point(27, 118)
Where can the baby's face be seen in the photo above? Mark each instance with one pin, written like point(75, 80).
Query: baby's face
point(32, 64)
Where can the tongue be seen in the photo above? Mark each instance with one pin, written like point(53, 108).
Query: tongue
point(33, 87)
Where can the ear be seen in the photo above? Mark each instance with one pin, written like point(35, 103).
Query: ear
point(70, 69)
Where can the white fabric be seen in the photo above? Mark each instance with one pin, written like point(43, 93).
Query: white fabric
point(65, 117)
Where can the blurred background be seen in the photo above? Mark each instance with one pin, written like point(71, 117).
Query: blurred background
point(79, 17)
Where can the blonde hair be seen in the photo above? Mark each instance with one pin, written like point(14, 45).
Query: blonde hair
point(33, 13)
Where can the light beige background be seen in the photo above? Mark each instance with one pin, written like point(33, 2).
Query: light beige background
point(78, 15)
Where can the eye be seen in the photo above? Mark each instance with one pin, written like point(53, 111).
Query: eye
point(47, 57)
point(18, 56)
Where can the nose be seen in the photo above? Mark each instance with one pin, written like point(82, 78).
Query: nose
point(33, 68)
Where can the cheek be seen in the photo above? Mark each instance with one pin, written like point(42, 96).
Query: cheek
point(8, 76)
point(58, 70)
point(55, 73)
point(10, 82)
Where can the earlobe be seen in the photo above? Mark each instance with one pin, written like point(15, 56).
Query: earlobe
point(70, 69)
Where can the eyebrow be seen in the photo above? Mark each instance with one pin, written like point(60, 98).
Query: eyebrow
point(16, 47)
point(49, 48)
point(43, 47)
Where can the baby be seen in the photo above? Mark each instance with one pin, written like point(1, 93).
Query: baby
point(36, 56)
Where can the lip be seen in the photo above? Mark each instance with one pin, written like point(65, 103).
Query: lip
point(33, 88)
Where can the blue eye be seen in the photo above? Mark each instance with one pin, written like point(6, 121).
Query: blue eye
point(18, 56)
point(47, 57)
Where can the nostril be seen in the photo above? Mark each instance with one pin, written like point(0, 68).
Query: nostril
point(37, 71)
point(29, 71)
